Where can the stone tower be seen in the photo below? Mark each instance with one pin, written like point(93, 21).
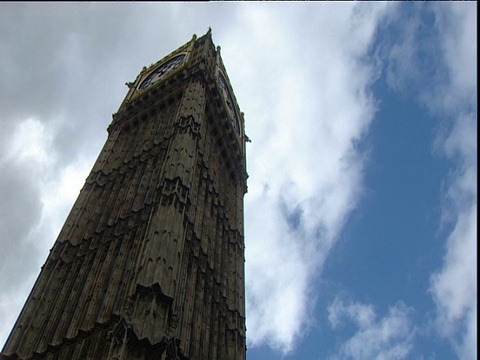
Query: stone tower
point(150, 261)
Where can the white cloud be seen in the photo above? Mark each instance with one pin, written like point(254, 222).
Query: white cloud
point(363, 315)
point(451, 94)
point(59, 194)
point(305, 170)
point(390, 337)
point(457, 24)
point(454, 286)
point(30, 142)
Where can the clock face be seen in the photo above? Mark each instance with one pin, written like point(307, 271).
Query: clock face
point(229, 100)
point(162, 71)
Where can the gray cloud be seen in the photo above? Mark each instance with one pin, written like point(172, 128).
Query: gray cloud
point(20, 205)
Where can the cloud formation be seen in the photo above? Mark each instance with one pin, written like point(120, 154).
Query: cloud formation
point(303, 76)
point(451, 94)
point(389, 338)
point(306, 171)
point(454, 286)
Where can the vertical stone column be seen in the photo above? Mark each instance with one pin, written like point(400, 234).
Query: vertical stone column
point(159, 270)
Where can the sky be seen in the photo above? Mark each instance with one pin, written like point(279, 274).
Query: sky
point(360, 216)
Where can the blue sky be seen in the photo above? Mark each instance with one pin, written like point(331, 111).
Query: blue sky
point(360, 219)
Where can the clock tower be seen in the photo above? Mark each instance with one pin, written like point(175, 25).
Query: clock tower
point(150, 261)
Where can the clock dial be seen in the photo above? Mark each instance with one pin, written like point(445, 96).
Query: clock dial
point(229, 100)
point(162, 71)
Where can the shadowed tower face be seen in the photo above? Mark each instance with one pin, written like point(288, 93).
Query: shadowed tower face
point(150, 261)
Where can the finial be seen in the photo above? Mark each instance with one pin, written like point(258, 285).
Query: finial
point(194, 37)
point(218, 48)
point(209, 30)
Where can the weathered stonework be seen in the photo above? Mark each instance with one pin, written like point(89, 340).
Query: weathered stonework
point(150, 262)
